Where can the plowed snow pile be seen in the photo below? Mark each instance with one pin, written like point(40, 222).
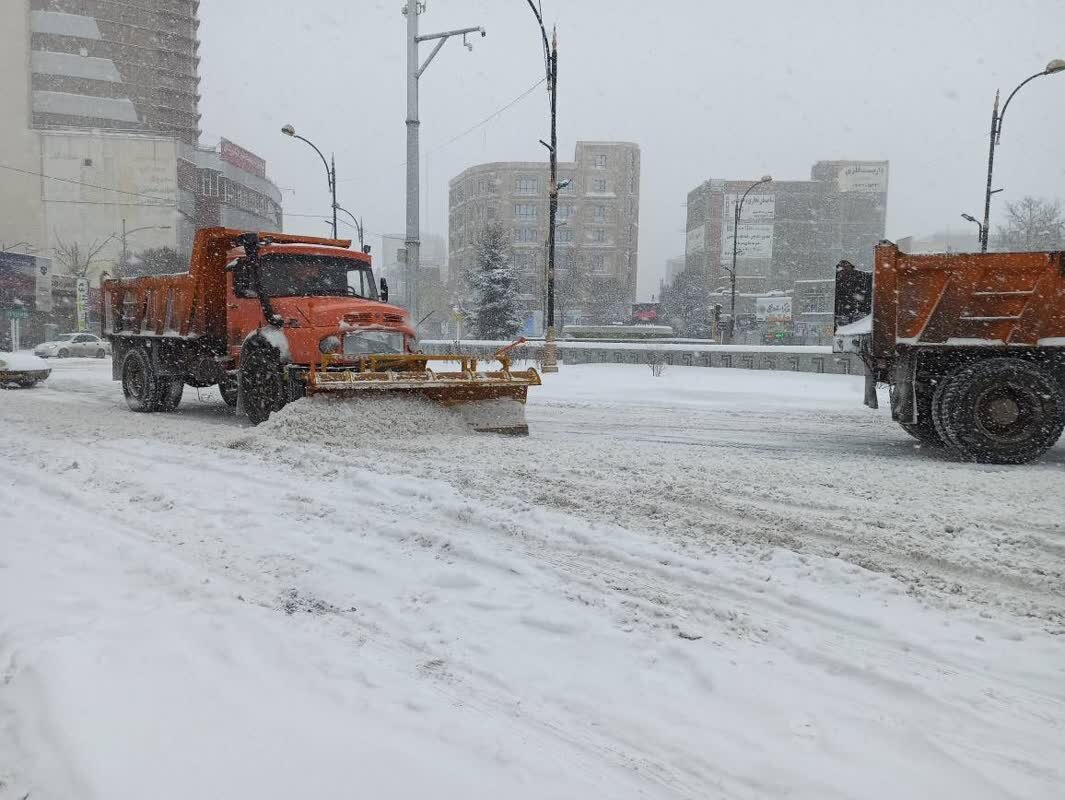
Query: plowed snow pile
point(360, 422)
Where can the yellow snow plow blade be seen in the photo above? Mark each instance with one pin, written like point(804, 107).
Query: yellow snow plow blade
point(491, 401)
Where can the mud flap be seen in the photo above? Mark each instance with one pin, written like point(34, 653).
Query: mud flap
point(870, 390)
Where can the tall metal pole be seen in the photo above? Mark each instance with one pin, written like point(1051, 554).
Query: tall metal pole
point(735, 252)
point(333, 188)
point(414, 73)
point(125, 255)
point(990, 169)
point(1053, 67)
point(413, 243)
point(550, 361)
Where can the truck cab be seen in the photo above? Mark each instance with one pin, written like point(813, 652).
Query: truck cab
point(327, 301)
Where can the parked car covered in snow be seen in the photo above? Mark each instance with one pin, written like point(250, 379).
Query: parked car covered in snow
point(65, 345)
point(22, 369)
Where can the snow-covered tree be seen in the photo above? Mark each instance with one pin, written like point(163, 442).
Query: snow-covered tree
point(1032, 224)
point(496, 285)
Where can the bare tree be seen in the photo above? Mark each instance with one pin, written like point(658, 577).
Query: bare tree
point(1032, 224)
point(75, 259)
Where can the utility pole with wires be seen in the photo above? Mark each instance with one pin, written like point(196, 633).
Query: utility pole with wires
point(412, 10)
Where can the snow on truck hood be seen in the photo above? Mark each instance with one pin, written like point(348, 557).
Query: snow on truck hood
point(339, 312)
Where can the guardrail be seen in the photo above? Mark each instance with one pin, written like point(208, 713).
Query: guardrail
point(794, 358)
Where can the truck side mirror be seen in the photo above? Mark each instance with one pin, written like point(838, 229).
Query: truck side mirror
point(384, 290)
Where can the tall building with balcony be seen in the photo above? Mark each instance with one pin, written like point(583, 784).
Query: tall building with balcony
point(116, 65)
point(597, 233)
point(100, 136)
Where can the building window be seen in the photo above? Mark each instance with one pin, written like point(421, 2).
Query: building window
point(210, 184)
point(564, 212)
point(598, 213)
point(527, 185)
point(482, 186)
point(598, 234)
point(525, 235)
point(563, 235)
point(599, 161)
point(525, 210)
point(596, 262)
point(599, 185)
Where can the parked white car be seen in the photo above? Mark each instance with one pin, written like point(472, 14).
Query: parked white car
point(22, 369)
point(86, 345)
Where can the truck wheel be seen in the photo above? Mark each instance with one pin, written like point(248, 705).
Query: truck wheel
point(924, 429)
point(170, 391)
point(259, 381)
point(1002, 411)
point(228, 389)
point(938, 419)
point(139, 381)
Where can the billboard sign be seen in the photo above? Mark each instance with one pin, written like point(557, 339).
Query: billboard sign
point(773, 310)
point(864, 178)
point(755, 241)
point(81, 297)
point(241, 158)
point(756, 208)
point(43, 279)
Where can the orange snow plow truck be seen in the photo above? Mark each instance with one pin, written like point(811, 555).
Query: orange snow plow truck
point(272, 317)
point(972, 346)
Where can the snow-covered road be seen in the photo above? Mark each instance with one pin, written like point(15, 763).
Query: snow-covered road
point(715, 583)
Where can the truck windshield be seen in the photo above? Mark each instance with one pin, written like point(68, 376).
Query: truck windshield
point(298, 275)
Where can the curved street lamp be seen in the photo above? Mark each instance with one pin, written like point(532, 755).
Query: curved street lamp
point(735, 252)
point(330, 172)
point(1052, 68)
point(358, 227)
point(976, 222)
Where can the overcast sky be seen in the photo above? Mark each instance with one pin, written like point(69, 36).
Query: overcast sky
point(706, 88)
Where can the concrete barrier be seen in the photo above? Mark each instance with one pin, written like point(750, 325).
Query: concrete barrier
point(787, 358)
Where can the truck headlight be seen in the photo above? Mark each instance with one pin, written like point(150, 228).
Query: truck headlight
point(330, 344)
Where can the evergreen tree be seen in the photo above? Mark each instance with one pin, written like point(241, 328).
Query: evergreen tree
point(155, 261)
point(496, 285)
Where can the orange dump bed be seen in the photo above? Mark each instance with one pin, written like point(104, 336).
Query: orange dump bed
point(967, 299)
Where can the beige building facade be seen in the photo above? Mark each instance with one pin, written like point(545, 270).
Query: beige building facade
point(597, 232)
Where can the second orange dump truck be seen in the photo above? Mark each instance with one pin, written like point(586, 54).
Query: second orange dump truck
point(271, 317)
point(972, 346)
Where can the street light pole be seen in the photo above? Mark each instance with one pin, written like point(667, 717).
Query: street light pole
point(1055, 66)
point(358, 225)
point(330, 171)
point(414, 73)
point(735, 253)
point(975, 221)
point(124, 237)
point(550, 360)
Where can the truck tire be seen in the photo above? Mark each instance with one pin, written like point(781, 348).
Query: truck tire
point(229, 391)
point(938, 419)
point(139, 381)
point(1002, 411)
point(924, 429)
point(260, 383)
point(169, 393)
